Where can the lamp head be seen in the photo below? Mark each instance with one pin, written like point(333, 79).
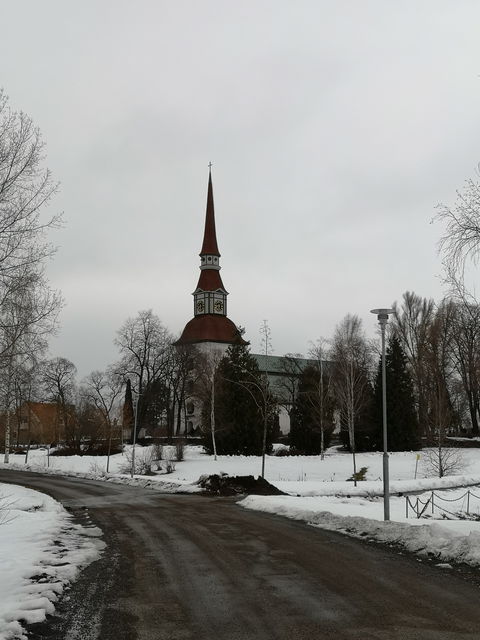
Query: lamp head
point(382, 315)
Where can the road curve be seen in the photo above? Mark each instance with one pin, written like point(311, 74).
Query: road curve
point(185, 567)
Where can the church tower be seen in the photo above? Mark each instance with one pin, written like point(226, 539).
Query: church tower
point(210, 323)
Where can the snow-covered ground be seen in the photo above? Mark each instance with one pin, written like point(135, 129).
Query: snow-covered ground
point(296, 475)
point(319, 493)
point(41, 551)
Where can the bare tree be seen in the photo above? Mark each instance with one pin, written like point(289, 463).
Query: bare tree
point(320, 396)
point(25, 187)
point(351, 365)
point(411, 323)
point(443, 462)
point(145, 348)
point(286, 384)
point(59, 381)
point(185, 368)
point(144, 344)
point(440, 374)
point(466, 356)
point(26, 388)
point(28, 307)
point(27, 316)
point(465, 345)
point(265, 332)
point(461, 239)
point(104, 388)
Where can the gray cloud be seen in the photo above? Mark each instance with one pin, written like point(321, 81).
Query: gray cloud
point(334, 128)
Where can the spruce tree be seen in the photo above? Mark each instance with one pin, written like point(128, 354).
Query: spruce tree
point(128, 418)
point(238, 402)
point(402, 423)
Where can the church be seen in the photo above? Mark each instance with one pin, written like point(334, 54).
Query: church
point(212, 331)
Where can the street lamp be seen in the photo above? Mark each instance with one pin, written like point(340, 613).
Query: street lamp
point(382, 316)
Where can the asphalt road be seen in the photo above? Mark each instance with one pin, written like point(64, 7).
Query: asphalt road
point(187, 567)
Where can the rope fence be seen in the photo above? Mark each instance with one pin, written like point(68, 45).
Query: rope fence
point(419, 507)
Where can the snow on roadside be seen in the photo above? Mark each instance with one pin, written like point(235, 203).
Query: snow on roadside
point(447, 541)
point(41, 552)
point(156, 483)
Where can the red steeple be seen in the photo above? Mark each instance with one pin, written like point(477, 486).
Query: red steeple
point(209, 245)
point(210, 322)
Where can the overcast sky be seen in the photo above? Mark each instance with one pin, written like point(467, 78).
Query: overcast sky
point(334, 128)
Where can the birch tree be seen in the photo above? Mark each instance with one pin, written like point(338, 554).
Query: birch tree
point(321, 400)
point(207, 366)
point(351, 365)
point(28, 306)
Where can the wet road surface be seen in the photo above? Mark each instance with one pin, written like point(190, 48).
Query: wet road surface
point(183, 567)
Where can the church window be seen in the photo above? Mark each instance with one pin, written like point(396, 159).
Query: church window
point(190, 407)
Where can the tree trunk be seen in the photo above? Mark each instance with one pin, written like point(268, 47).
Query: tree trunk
point(7, 425)
point(109, 445)
point(473, 414)
point(265, 427)
point(7, 436)
point(212, 418)
point(181, 406)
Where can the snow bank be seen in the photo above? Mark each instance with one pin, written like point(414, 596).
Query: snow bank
point(41, 551)
point(368, 488)
point(157, 483)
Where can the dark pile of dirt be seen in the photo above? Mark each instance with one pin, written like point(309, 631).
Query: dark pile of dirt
point(224, 485)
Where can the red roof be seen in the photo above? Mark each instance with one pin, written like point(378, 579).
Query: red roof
point(209, 236)
point(210, 280)
point(210, 328)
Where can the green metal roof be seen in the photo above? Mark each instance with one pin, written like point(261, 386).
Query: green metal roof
point(276, 365)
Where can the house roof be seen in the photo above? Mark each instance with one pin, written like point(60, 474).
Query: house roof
point(45, 412)
point(210, 328)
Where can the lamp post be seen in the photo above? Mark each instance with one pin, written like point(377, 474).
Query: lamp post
point(382, 316)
